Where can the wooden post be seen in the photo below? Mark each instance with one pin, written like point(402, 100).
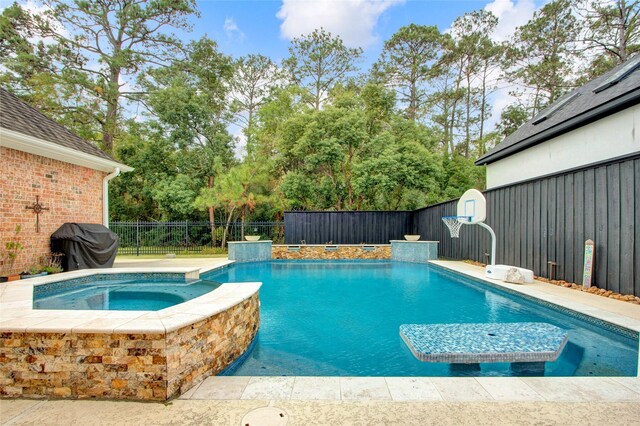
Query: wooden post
point(588, 263)
point(552, 270)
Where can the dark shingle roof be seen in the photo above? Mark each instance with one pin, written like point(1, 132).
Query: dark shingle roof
point(575, 109)
point(18, 116)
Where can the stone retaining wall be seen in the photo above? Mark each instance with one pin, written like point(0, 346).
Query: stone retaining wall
point(125, 366)
point(340, 252)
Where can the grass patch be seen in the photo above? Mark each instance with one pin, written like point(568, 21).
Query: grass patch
point(178, 256)
point(148, 252)
point(208, 253)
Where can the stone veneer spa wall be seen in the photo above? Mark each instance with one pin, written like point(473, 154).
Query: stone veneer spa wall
point(209, 346)
point(144, 366)
point(331, 252)
point(406, 251)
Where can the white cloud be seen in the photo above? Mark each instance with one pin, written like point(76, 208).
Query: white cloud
point(511, 15)
point(232, 30)
point(353, 20)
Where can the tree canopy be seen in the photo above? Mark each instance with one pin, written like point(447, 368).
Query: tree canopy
point(316, 130)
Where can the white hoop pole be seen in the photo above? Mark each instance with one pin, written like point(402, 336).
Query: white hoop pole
point(493, 241)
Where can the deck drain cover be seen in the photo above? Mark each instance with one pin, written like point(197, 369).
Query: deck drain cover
point(265, 416)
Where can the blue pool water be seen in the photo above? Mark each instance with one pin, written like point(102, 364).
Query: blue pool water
point(343, 318)
point(137, 294)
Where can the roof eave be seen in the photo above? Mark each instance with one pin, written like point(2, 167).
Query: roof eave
point(33, 145)
point(601, 111)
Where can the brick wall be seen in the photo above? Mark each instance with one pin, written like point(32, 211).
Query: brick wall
point(72, 194)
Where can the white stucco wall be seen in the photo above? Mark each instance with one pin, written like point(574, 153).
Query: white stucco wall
point(610, 137)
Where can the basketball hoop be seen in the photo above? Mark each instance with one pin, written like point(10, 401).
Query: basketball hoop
point(471, 209)
point(454, 223)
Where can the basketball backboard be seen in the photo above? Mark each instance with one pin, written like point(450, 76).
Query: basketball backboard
point(473, 206)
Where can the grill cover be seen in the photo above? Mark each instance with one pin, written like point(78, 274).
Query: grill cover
point(85, 246)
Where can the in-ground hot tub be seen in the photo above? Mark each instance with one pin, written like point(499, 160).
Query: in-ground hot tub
point(121, 354)
point(121, 292)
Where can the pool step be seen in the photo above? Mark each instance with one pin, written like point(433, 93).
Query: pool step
point(529, 342)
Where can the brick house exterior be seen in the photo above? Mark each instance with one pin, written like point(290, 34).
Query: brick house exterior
point(42, 158)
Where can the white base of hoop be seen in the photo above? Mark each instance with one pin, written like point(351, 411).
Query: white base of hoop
point(499, 272)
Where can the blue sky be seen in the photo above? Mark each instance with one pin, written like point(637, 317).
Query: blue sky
point(248, 26)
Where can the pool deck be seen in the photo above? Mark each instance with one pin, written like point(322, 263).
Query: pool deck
point(625, 313)
point(374, 400)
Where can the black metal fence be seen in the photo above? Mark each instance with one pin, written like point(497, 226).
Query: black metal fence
point(188, 237)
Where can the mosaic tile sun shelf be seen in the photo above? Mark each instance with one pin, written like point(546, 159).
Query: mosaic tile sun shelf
point(482, 342)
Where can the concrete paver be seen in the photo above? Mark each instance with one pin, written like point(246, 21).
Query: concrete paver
point(412, 389)
point(205, 263)
point(364, 388)
point(316, 388)
point(509, 389)
point(269, 387)
point(10, 409)
point(618, 307)
point(461, 389)
point(220, 387)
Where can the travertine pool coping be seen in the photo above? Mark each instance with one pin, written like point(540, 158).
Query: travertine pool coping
point(17, 313)
point(622, 314)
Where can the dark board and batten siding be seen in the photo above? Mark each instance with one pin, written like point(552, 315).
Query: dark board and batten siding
point(538, 221)
point(549, 219)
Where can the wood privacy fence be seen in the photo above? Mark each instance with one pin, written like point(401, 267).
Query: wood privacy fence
point(539, 221)
point(343, 227)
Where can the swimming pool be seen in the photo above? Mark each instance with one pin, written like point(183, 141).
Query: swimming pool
point(124, 292)
point(341, 318)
